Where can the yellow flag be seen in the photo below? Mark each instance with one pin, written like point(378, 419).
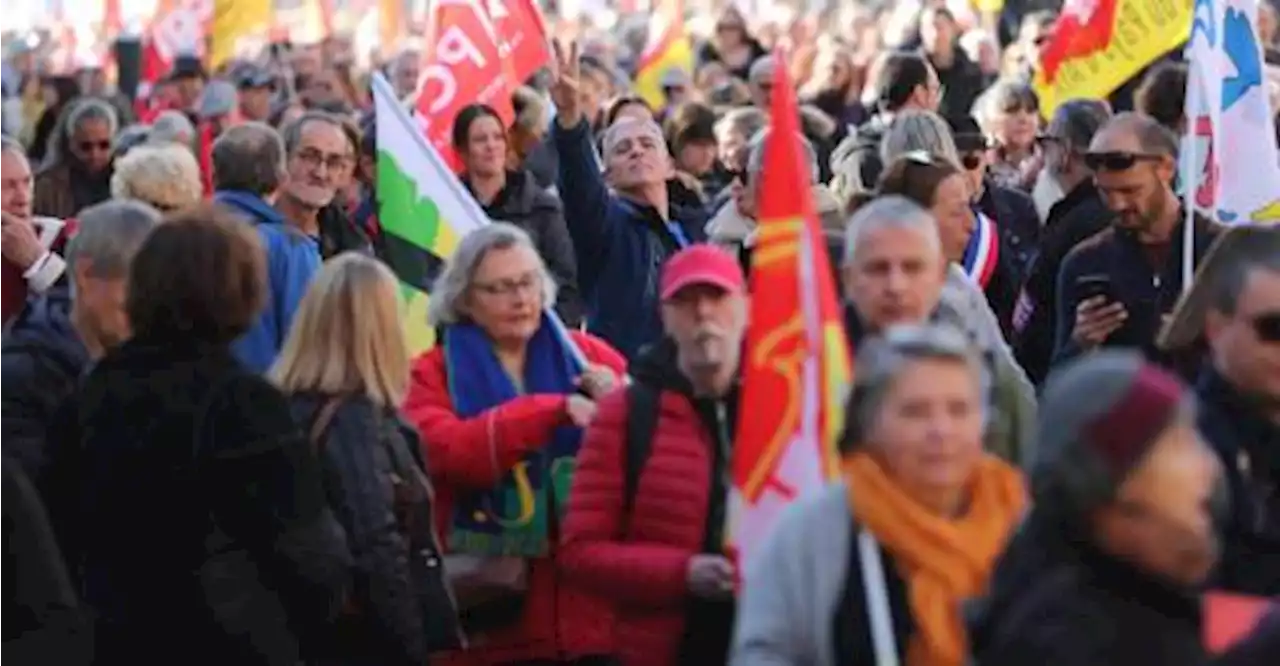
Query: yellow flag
point(232, 21)
point(668, 49)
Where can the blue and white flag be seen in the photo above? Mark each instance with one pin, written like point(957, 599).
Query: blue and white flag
point(1230, 164)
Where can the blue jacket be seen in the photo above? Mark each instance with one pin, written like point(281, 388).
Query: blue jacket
point(620, 246)
point(292, 260)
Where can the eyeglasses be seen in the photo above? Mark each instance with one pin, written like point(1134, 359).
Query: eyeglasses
point(314, 158)
point(90, 146)
point(525, 284)
point(1116, 160)
point(1267, 327)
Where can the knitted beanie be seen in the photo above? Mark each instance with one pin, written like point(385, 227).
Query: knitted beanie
point(1099, 417)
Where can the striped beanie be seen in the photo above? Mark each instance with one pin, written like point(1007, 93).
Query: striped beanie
point(1099, 417)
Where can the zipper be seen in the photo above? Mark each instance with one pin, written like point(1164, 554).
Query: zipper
point(723, 442)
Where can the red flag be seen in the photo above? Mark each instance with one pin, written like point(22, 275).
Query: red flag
point(1228, 618)
point(1083, 28)
point(796, 366)
point(522, 36)
point(462, 65)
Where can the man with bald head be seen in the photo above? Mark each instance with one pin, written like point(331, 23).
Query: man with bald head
point(623, 222)
point(1115, 288)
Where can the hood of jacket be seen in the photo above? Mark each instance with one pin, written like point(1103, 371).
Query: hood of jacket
point(729, 226)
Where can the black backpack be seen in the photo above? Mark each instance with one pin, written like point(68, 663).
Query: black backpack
point(643, 401)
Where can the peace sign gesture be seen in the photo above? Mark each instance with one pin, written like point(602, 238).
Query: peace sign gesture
point(565, 90)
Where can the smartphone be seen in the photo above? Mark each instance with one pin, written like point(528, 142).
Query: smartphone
point(1090, 286)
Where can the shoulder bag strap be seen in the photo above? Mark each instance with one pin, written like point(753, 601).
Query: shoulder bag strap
point(324, 416)
point(877, 597)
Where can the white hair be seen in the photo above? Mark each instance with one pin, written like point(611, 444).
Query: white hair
point(450, 288)
point(889, 212)
point(172, 127)
point(919, 130)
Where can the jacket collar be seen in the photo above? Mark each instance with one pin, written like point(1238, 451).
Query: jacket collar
point(1258, 436)
point(1083, 193)
point(255, 206)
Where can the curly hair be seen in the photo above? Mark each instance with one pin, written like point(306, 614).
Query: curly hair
point(164, 175)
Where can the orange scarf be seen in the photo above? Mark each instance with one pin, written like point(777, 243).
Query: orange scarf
point(944, 562)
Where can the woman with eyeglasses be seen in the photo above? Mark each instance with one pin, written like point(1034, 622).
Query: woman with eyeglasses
point(876, 569)
point(500, 403)
point(510, 194)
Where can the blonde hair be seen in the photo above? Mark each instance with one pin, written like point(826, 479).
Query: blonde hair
point(164, 175)
point(348, 335)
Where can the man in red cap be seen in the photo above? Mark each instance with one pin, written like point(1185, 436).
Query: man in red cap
point(645, 524)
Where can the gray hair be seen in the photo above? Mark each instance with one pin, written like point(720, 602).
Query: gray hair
point(882, 359)
point(919, 130)
point(1076, 121)
point(889, 212)
point(610, 138)
point(92, 108)
point(747, 121)
point(292, 132)
point(760, 68)
point(450, 288)
point(755, 155)
point(109, 235)
point(171, 127)
point(9, 144)
point(249, 157)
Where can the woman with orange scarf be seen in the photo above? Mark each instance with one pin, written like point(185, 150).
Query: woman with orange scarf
point(875, 570)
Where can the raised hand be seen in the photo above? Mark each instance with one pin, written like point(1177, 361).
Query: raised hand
point(566, 89)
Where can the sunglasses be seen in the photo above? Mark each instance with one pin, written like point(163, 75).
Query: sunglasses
point(1116, 161)
point(1267, 327)
point(971, 161)
point(90, 146)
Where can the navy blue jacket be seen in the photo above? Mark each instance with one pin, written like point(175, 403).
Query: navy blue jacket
point(292, 260)
point(43, 359)
point(620, 245)
point(1147, 294)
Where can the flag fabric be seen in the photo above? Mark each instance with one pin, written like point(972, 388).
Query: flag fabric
point(1097, 45)
point(668, 49)
point(233, 21)
point(1231, 167)
point(392, 22)
point(796, 366)
point(422, 207)
point(462, 65)
point(177, 28)
point(522, 37)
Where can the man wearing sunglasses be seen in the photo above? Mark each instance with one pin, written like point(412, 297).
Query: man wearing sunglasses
point(80, 174)
point(1115, 288)
point(1239, 396)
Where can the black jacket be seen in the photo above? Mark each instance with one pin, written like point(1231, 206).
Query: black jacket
point(372, 469)
point(192, 508)
point(1076, 217)
point(340, 233)
point(1248, 445)
point(42, 358)
point(1014, 214)
point(1147, 293)
point(1056, 601)
point(524, 203)
point(853, 642)
point(44, 622)
point(962, 82)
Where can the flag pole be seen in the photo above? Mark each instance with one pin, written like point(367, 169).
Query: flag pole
point(471, 206)
point(1191, 174)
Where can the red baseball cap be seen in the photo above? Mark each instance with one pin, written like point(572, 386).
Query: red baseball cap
point(700, 264)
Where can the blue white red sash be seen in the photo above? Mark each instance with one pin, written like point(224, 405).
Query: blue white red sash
point(983, 252)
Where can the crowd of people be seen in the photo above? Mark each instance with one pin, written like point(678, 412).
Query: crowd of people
point(219, 450)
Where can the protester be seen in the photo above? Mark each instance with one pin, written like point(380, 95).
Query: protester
point(1009, 113)
point(249, 169)
point(77, 172)
point(173, 127)
point(56, 336)
point(512, 196)
point(760, 80)
point(911, 534)
point(648, 531)
point(957, 74)
point(164, 176)
point(1078, 214)
point(345, 369)
point(319, 159)
point(620, 237)
point(1109, 563)
point(188, 78)
point(501, 416)
point(732, 45)
point(31, 245)
point(1139, 258)
point(249, 562)
point(254, 89)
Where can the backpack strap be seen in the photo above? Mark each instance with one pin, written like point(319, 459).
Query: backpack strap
point(324, 416)
point(642, 419)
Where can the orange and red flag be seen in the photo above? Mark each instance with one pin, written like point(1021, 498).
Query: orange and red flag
point(796, 366)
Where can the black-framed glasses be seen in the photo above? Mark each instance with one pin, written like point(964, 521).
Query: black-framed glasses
point(334, 162)
point(1267, 327)
point(1116, 160)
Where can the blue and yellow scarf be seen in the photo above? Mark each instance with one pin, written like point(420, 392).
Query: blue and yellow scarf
point(513, 517)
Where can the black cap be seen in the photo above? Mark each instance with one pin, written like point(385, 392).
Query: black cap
point(252, 76)
point(187, 67)
point(967, 134)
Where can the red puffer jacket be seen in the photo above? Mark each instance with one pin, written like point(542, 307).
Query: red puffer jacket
point(558, 622)
point(641, 562)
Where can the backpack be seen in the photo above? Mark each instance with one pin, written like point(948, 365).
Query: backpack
point(643, 401)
